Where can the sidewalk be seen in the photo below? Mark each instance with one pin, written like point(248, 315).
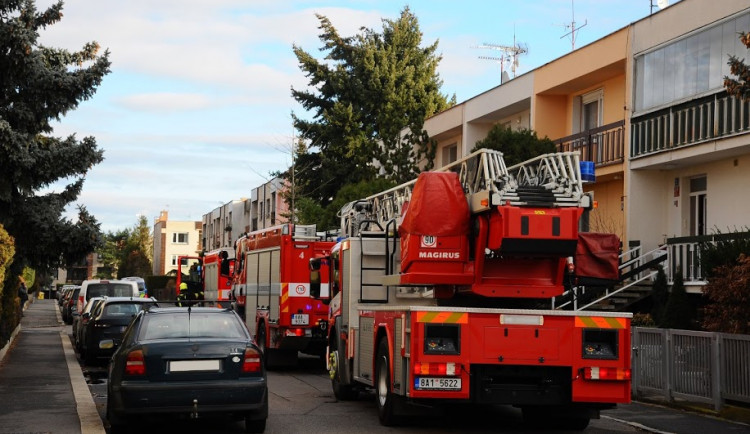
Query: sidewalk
point(41, 382)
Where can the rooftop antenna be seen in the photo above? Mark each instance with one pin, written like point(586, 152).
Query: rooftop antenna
point(508, 54)
point(573, 28)
point(661, 4)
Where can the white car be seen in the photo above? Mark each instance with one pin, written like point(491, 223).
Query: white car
point(109, 288)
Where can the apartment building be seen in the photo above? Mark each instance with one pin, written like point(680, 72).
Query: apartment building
point(265, 208)
point(647, 105)
point(690, 142)
point(173, 239)
point(222, 226)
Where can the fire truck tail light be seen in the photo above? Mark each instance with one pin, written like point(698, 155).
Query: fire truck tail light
point(428, 368)
point(598, 373)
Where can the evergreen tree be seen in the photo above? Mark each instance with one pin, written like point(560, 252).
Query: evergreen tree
point(368, 90)
point(659, 295)
point(516, 146)
point(679, 312)
point(38, 85)
point(739, 86)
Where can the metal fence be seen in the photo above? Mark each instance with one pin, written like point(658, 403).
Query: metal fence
point(700, 367)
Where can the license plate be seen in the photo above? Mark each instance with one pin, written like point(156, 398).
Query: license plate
point(193, 365)
point(433, 383)
point(300, 319)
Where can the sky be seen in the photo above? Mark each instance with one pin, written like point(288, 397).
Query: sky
point(197, 109)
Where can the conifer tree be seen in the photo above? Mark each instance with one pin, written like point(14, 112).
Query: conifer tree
point(38, 85)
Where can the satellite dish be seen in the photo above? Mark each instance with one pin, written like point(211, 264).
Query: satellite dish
point(662, 4)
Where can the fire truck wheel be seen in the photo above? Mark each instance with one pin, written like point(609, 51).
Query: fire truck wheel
point(387, 404)
point(342, 392)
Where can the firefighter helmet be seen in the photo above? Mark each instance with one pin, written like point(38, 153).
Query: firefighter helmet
point(183, 286)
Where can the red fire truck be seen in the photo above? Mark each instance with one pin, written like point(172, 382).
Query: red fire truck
point(441, 293)
point(218, 267)
point(189, 272)
point(272, 291)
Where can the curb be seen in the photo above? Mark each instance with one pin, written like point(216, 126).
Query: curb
point(91, 422)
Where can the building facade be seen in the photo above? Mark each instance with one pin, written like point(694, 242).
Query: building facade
point(647, 105)
point(265, 208)
point(173, 239)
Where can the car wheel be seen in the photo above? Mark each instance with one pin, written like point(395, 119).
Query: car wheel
point(254, 425)
point(385, 398)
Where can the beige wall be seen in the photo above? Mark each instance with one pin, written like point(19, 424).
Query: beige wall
point(681, 18)
point(608, 216)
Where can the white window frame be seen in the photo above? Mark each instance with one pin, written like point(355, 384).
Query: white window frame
point(176, 238)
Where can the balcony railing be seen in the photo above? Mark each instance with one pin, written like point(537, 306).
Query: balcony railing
point(684, 255)
point(603, 145)
point(691, 123)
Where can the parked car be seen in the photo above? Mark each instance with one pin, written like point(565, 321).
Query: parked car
point(110, 288)
point(64, 292)
point(80, 321)
point(103, 331)
point(141, 284)
point(69, 305)
point(187, 361)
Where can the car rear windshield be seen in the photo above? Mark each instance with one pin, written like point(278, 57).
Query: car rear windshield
point(122, 309)
point(109, 289)
point(192, 325)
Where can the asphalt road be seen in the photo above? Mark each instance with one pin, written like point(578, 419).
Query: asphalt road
point(301, 401)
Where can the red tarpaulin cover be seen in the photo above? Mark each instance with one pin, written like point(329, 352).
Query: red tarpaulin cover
point(438, 206)
point(597, 256)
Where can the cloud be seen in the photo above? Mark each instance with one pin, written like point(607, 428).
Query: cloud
point(165, 102)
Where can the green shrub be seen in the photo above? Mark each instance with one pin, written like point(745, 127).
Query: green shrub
point(724, 250)
point(8, 300)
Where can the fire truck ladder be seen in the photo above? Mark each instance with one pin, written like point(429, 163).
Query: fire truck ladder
point(549, 180)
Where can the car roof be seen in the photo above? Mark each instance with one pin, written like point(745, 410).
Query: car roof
point(109, 300)
point(168, 310)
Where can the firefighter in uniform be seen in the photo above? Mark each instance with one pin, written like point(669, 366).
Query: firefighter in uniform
point(187, 296)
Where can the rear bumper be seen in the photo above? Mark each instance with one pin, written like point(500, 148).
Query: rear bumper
point(245, 396)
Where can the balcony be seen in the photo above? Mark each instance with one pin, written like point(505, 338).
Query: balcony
point(690, 123)
point(603, 145)
point(684, 255)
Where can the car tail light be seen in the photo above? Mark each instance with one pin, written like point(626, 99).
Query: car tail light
point(135, 364)
point(426, 368)
point(598, 373)
point(252, 360)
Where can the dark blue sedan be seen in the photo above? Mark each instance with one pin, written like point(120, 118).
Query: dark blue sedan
point(188, 362)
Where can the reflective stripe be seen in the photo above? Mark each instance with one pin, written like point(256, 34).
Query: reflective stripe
point(284, 297)
point(600, 322)
point(443, 317)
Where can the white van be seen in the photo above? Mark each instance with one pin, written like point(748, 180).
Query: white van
point(141, 284)
point(110, 288)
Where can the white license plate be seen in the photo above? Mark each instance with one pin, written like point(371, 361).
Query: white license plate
point(300, 319)
point(194, 365)
point(435, 383)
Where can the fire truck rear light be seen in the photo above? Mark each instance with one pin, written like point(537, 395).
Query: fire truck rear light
point(428, 368)
point(598, 373)
point(522, 319)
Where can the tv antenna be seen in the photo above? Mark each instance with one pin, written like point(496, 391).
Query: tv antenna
point(661, 4)
point(573, 28)
point(508, 54)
